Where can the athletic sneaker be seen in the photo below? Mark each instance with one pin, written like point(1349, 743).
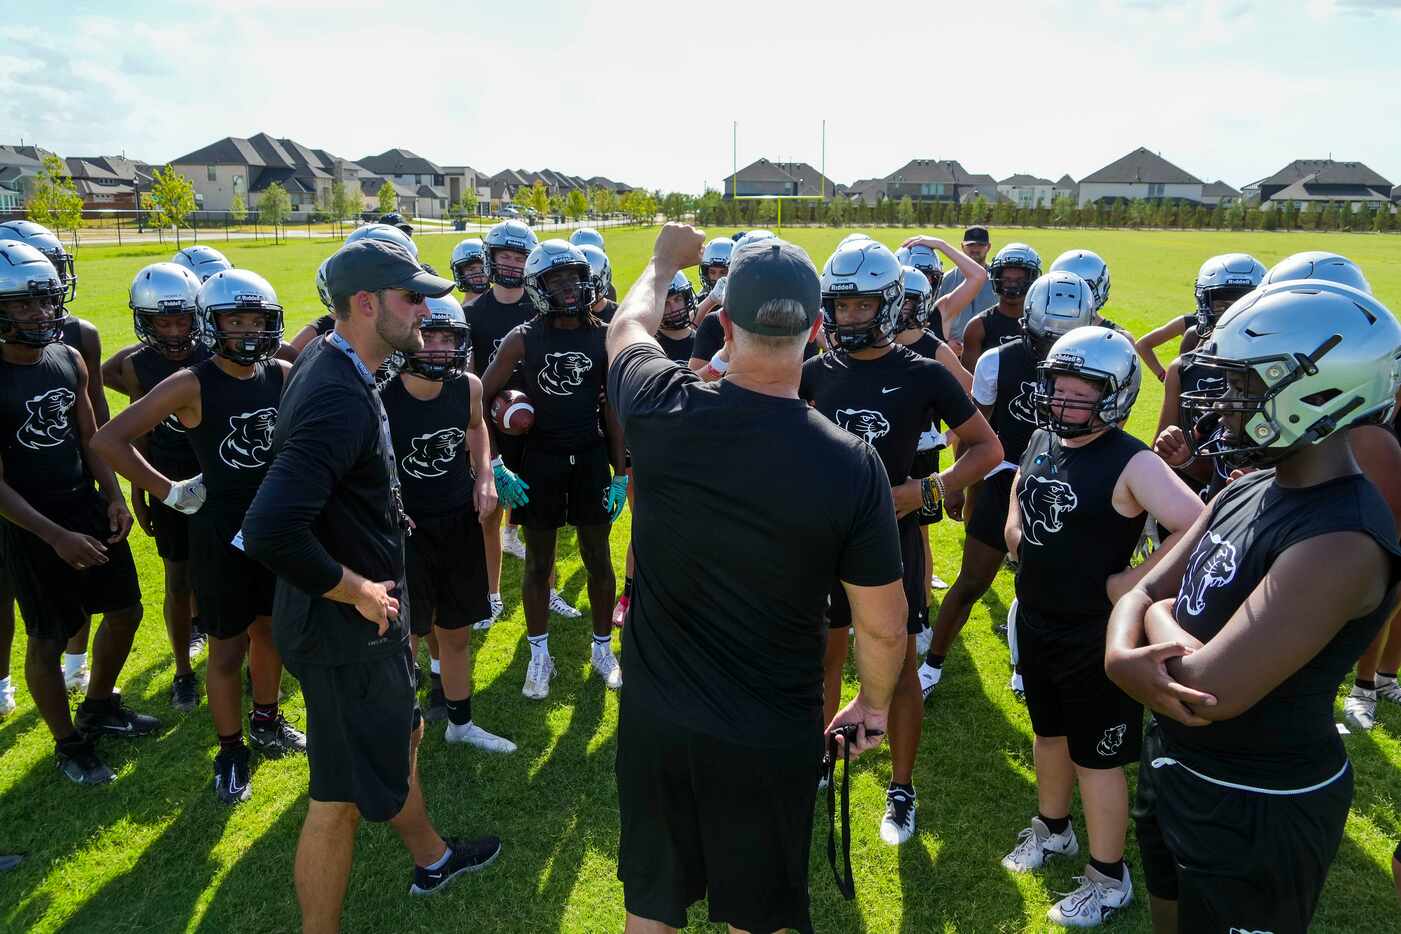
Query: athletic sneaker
point(511, 542)
point(184, 692)
point(898, 825)
point(198, 642)
point(473, 735)
point(620, 611)
point(923, 639)
point(437, 709)
point(233, 783)
point(928, 678)
point(1360, 708)
point(276, 738)
point(113, 718)
point(1018, 688)
point(938, 583)
point(79, 763)
point(537, 677)
point(606, 664)
point(7, 701)
point(466, 856)
point(1098, 897)
point(1036, 842)
point(561, 606)
point(497, 608)
point(1388, 689)
point(77, 681)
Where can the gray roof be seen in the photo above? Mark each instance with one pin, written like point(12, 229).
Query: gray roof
point(400, 162)
point(1141, 167)
point(760, 170)
point(27, 156)
point(1219, 189)
point(1309, 189)
point(948, 171)
point(1065, 181)
point(1326, 172)
point(1023, 180)
point(812, 181)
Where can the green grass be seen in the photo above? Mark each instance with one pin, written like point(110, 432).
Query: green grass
point(154, 852)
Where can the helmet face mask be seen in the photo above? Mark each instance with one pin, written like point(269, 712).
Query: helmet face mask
point(863, 289)
point(446, 346)
point(559, 281)
point(715, 263)
point(162, 299)
point(918, 304)
point(680, 306)
point(170, 331)
point(1213, 303)
point(469, 267)
point(239, 316)
point(1088, 383)
point(926, 261)
point(47, 243)
point(32, 295)
point(1014, 256)
point(500, 248)
point(599, 268)
point(1221, 281)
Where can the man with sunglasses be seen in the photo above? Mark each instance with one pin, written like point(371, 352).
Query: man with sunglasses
point(329, 520)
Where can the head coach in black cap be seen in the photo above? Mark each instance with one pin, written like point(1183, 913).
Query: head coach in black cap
point(720, 724)
point(329, 521)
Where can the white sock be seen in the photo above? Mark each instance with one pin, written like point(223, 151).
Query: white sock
point(493, 597)
point(72, 664)
point(443, 861)
point(1379, 679)
point(602, 645)
point(554, 594)
point(539, 645)
point(4, 684)
point(435, 666)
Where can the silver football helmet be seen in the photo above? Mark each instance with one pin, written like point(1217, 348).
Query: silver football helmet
point(507, 235)
point(586, 236)
point(1221, 280)
point(466, 253)
point(437, 364)
point(716, 256)
point(862, 267)
point(600, 267)
point(751, 236)
point(1056, 304)
point(322, 289)
point(1014, 256)
point(1091, 268)
point(918, 302)
point(47, 242)
point(1317, 264)
point(165, 290)
point(925, 259)
point(203, 261)
point(681, 318)
point(27, 277)
point(384, 232)
point(569, 289)
point(1328, 356)
point(1095, 354)
point(852, 238)
point(239, 290)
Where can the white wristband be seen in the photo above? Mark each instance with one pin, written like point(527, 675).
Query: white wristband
point(719, 365)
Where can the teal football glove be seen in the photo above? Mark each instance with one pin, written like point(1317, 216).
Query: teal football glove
point(616, 497)
point(510, 488)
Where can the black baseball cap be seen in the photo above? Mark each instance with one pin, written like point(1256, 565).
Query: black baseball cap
point(371, 265)
point(976, 235)
point(766, 270)
point(395, 219)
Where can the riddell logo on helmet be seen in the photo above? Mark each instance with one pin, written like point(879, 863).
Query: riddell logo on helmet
point(843, 286)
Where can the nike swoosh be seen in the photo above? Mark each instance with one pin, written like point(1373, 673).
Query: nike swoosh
point(237, 789)
point(124, 728)
point(883, 390)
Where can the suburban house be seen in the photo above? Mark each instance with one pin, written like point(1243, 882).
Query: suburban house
point(938, 180)
point(246, 167)
point(430, 194)
point(1141, 174)
point(110, 182)
point(1218, 193)
point(762, 178)
point(19, 165)
point(1066, 187)
point(1027, 191)
point(465, 180)
point(1322, 182)
point(867, 191)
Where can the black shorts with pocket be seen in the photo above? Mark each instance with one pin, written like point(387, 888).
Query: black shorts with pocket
point(1234, 859)
point(360, 718)
point(54, 597)
point(171, 529)
point(916, 587)
point(510, 447)
point(703, 817)
point(989, 521)
point(231, 588)
point(446, 563)
point(566, 488)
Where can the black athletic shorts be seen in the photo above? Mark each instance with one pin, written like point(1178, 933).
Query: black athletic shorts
point(510, 447)
point(916, 587)
point(359, 724)
point(230, 588)
point(703, 817)
point(446, 572)
point(172, 531)
point(1234, 859)
point(54, 597)
point(565, 489)
point(989, 522)
point(1068, 694)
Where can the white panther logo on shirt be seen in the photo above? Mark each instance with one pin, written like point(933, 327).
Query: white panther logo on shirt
point(1043, 504)
point(564, 372)
point(1213, 564)
point(1020, 406)
point(47, 424)
point(249, 441)
point(866, 423)
point(1112, 740)
point(432, 453)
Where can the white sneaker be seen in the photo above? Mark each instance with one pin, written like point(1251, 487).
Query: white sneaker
point(1389, 689)
point(928, 677)
point(923, 640)
point(1018, 688)
point(1360, 708)
point(511, 542)
point(938, 583)
point(606, 664)
point(77, 682)
point(537, 677)
point(562, 607)
point(1036, 842)
point(898, 825)
point(1098, 897)
point(473, 735)
point(497, 608)
point(7, 701)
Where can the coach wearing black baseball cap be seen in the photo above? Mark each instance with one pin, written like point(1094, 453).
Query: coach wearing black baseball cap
point(977, 244)
point(720, 723)
point(329, 520)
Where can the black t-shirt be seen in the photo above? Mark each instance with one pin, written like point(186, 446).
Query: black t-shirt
point(490, 321)
point(677, 348)
point(710, 337)
point(886, 402)
point(565, 371)
point(327, 501)
point(927, 345)
point(1287, 740)
point(606, 313)
point(39, 443)
point(324, 325)
point(1013, 418)
point(233, 440)
point(430, 442)
point(169, 448)
point(748, 507)
point(998, 329)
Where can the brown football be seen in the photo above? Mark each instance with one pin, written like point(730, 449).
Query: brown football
point(512, 412)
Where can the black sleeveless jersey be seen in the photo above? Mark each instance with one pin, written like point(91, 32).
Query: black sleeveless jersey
point(605, 314)
point(169, 449)
point(430, 445)
point(324, 325)
point(565, 371)
point(233, 440)
point(73, 333)
point(490, 322)
point(678, 349)
point(928, 344)
point(998, 329)
point(1013, 418)
point(39, 443)
point(1073, 539)
point(1200, 379)
point(887, 402)
point(1287, 740)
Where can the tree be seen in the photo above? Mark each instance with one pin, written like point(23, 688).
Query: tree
point(604, 200)
point(555, 206)
point(238, 210)
point(905, 212)
point(354, 200)
point(675, 206)
point(172, 198)
point(576, 205)
point(388, 197)
point(274, 207)
point(55, 201)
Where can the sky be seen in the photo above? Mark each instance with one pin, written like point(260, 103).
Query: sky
point(665, 96)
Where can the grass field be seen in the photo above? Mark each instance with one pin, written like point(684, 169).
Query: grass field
point(155, 852)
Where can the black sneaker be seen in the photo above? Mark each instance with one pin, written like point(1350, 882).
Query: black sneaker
point(276, 738)
point(78, 761)
point(437, 710)
point(233, 783)
point(184, 693)
point(467, 856)
point(113, 718)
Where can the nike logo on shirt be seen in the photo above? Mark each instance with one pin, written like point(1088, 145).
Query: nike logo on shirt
point(884, 390)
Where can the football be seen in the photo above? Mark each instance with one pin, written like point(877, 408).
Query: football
point(512, 412)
